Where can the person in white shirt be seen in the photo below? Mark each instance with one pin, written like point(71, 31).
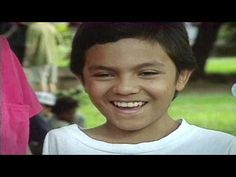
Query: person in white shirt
point(132, 72)
point(233, 89)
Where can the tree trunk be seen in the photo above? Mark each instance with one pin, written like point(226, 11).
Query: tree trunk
point(203, 45)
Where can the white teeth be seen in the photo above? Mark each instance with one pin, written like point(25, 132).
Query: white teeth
point(129, 104)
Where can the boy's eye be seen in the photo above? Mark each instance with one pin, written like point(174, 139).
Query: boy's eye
point(103, 75)
point(149, 73)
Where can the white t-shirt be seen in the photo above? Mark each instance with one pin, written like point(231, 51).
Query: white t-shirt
point(186, 139)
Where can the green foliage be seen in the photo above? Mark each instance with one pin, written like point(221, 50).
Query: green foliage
point(222, 65)
point(93, 116)
point(64, 47)
point(227, 32)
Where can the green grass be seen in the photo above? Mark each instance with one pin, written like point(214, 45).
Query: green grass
point(209, 110)
point(222, 65)
point(92, 115)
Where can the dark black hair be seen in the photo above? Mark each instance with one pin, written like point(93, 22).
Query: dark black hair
point(64, 104)
point(172, 36)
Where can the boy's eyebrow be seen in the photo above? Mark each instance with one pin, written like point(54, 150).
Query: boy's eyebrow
point(99, 67)
point(149, 64)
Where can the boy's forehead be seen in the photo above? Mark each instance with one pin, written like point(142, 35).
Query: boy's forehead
point(129, 52)
point(135, 41)
point(127, 48)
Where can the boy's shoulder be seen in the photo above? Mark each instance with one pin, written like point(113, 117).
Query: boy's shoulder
point(196, 139)
point(199, 130)
point(210, 135)
point(65, 131)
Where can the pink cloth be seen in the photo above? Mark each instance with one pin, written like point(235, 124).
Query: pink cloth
point(18, 103)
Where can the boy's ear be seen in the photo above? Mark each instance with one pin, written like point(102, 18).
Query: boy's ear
point(81, 79)
point(183, 79)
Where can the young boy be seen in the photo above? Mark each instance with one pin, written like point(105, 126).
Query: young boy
point(132, 72)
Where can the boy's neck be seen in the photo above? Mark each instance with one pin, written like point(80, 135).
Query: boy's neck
point(154, 132)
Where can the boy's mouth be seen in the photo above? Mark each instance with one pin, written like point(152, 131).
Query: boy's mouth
point(128, 104)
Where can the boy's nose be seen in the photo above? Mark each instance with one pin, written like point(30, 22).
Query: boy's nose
point(126, 86)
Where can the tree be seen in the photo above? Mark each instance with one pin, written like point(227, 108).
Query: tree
point(207, 35)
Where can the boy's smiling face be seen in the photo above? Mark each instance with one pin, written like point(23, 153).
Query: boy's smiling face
point(132, 82)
